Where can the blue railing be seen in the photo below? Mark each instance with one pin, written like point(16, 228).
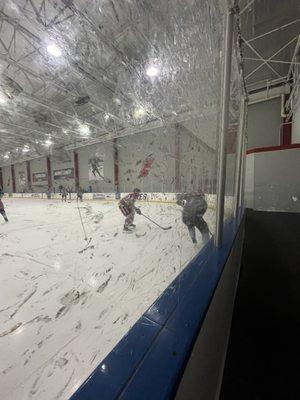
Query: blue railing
point(149, 360)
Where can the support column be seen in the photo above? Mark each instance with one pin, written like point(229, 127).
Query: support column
point(177, 160)
point(13, 178)
point(29, 182)
point(224, 129)
point(240, 148)
point(49, 175)
point(116, 166)
point(1, 179)
point(76, 169)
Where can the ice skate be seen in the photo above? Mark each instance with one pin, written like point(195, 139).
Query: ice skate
point(128, 229)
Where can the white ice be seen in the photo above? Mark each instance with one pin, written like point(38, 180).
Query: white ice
point(63, 307)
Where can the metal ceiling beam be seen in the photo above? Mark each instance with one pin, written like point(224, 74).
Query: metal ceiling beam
point(266, 83)
point(246, 7)
point(294, 56)
point(76, 66)
point(24, 128)
point(52, 82)
point(265, 62)
point(271, 61)
point(55, 110)
point(274, 30)
point(151, 125)
point(19, 27)
point(261, 58)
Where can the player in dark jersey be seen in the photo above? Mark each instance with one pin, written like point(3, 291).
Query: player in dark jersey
point(80, 193)
point(63, 194)
point(194, 207)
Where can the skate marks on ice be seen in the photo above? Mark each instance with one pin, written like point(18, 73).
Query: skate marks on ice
point(62, 309)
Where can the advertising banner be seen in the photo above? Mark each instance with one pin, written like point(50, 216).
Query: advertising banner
point(39, 177)
point(66, 173)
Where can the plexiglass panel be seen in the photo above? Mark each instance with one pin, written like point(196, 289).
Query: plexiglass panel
point(234, 129)
point(108, 152)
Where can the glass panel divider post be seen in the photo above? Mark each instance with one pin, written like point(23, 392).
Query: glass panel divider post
point(239, 160)
point(224, 127)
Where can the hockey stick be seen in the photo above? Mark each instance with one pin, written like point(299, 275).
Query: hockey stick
point(82, 224)
point(155, 223)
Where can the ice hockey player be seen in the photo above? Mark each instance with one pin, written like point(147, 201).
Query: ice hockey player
point(2, 210)
point(194, 207)
point(79, 193)
point(48, 193)
point(128, 209)
point(63, 194)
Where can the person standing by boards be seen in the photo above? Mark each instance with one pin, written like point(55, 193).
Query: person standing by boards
point(128, 209)
point(63, 194)
point(80, 194)
point(2, 210)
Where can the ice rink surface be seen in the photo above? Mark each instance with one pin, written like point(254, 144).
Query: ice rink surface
point(64, 304)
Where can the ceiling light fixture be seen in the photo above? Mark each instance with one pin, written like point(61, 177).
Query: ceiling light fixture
point(117, 101)
point(152, 71)
point(48, 142)
point(139, 112)
point(54, 50)
point(25, 149)
point(6, 156)
point(84, 130)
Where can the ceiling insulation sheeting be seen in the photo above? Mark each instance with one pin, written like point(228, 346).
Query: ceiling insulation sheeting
point(77, 72)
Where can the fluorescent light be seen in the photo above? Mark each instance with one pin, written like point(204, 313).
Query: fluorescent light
point(54, 50)
point(117, 101)
point(84, 130)
point(139, 112)
point(152, 71)
point(48, 142)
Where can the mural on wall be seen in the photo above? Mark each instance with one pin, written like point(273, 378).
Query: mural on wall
point(96, 169)
point(22, 179)
point(39, 177)
point(66, 173)
point(146, 166)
